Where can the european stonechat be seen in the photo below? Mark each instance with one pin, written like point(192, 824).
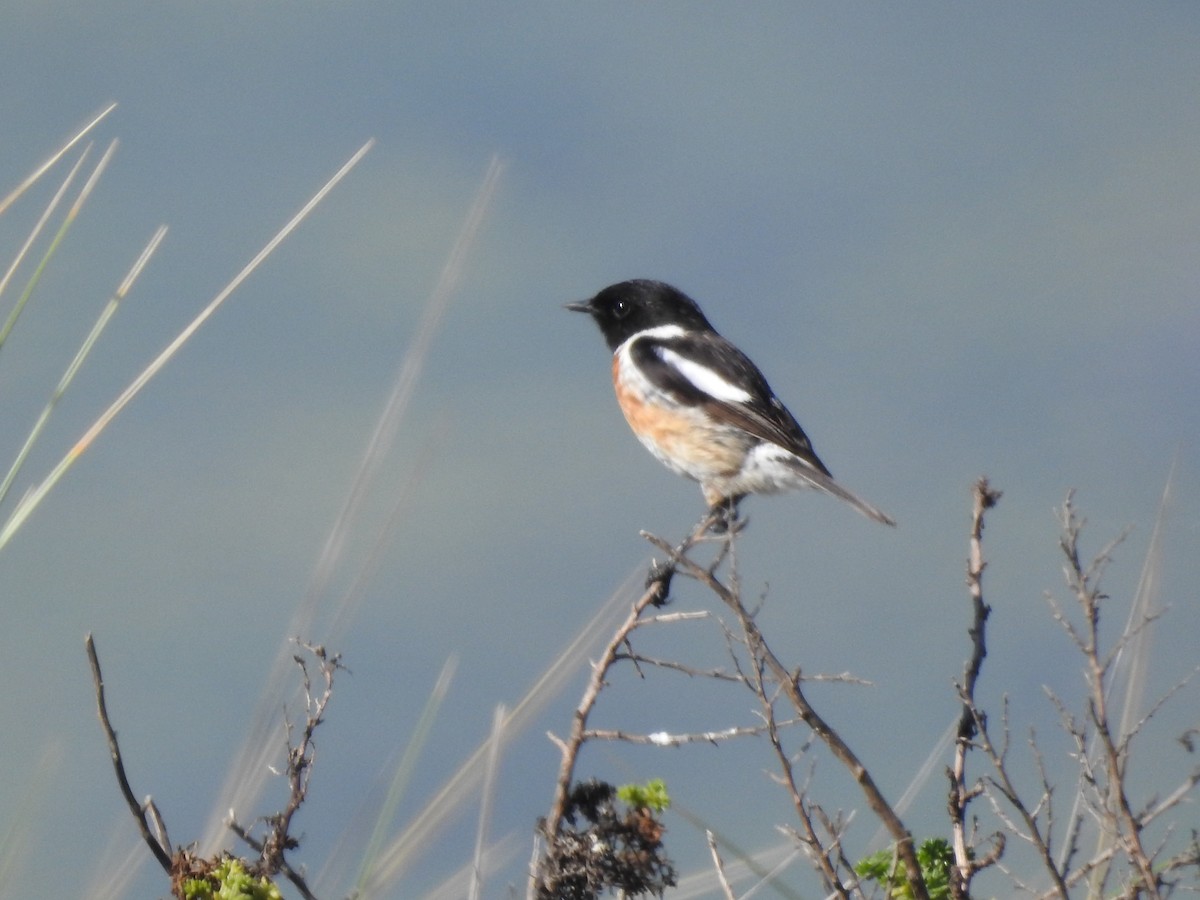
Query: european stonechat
point(699, 404)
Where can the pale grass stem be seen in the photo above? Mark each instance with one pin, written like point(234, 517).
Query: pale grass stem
point(770, 881)
point(706, 882)
point(1131, 662)
point(36, 231)
point(53, 158)
point(745, 865)
point(487, 798)
point(30, 501)
point(447, 802)
point(495, 856)
point(403, 386)
point(72, 214)
point(249, 772)
point(19, 837)
point(1144, 608)
point(405, 768)
point(118, 866)
point(345, 606)
point(85, 348)
point(935, 758)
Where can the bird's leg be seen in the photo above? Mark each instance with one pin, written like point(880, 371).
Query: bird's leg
point(725, 515)
point(659, 578)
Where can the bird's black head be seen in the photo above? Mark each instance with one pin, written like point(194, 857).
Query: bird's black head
point(622, 310)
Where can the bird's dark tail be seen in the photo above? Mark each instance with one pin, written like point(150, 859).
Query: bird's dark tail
point(824, 482)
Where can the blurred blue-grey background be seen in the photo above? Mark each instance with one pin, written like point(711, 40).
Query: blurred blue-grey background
point(959, 239)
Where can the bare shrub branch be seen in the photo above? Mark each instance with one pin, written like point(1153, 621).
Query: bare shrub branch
point(161, 850)
point(984, 497)
point(1126, 861)
point(767, 669)
point(298, 770)
point(182, 865)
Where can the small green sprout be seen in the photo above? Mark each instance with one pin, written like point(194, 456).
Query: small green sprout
point(652, 795)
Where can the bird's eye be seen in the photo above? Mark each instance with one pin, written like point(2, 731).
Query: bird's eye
point(621, 309)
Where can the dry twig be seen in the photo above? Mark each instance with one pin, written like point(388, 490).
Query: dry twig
point(300, 756)
point(161, 851)
point(768, 666)
point(966, 865)
point(718, 865)
point(655, 595)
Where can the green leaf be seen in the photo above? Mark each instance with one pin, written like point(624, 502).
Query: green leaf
point(652, 795)
point(935, 856)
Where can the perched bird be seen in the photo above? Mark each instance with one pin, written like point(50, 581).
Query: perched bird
point(699, 404)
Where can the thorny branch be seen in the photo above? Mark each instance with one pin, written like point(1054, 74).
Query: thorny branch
point(666, 739)
point(658, 586)
point(300, 757)
point(182, 865)
point(984, 497)
point(1100, 751)
point(1084, 583)
point(296, 878)
point(768, 665)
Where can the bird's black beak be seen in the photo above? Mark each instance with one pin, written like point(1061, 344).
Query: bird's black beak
point(585, 307)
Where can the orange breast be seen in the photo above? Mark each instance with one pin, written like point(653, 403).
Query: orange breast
point(685, 439)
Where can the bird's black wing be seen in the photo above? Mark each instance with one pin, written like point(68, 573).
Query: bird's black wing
point(703, 369)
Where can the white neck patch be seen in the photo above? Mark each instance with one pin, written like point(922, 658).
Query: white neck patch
point(658, 331)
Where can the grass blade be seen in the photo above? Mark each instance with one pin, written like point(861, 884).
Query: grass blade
point(487, 796)
point(404, 386)
point(85, 348)
point(54, 157)
point(40, 225)
point(249, 771)
point(19, 837)
point(458, 788)
point(30, 502)
point(495, 856)
point(406, 767)
point(68, 221)
point(1132, 661)
point(1143, 608)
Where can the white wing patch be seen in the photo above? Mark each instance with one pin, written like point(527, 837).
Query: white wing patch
point(704, 378)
